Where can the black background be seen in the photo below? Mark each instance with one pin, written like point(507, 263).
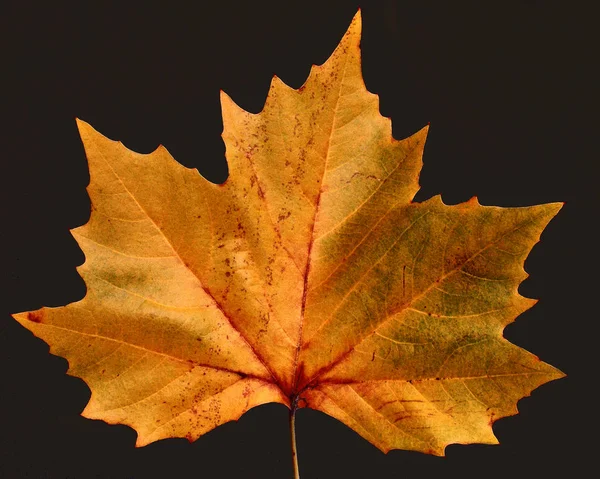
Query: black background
point(507, 88)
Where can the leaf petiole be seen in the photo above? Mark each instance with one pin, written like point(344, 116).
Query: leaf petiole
point(293, 408)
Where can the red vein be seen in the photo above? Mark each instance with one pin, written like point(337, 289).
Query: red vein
point(262, 196)
point(188, 362)
point(403, 307)
point(314, 222)
point(342, 382)
point(206, 290)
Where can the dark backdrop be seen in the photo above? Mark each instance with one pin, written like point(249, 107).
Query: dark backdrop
point(507, 89)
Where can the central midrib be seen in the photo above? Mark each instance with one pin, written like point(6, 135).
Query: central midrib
point(296, 376)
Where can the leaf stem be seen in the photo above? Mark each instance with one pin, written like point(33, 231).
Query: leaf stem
point(293, 408)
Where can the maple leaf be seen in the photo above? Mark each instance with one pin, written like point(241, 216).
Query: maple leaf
point(309, 278)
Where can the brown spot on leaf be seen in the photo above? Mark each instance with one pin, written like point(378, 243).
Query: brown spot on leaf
point(35, 316)
point(284, 216)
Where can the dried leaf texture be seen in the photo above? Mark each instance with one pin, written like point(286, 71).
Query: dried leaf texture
point(308, 274)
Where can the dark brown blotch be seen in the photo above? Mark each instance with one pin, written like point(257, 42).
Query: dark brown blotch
point(35, 316)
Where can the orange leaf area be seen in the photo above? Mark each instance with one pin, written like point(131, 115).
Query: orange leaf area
point(308, 278)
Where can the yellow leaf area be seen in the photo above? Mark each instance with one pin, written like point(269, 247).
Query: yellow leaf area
point(308, 278)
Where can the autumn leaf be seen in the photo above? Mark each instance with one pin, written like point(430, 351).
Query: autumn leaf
point(309, 278)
